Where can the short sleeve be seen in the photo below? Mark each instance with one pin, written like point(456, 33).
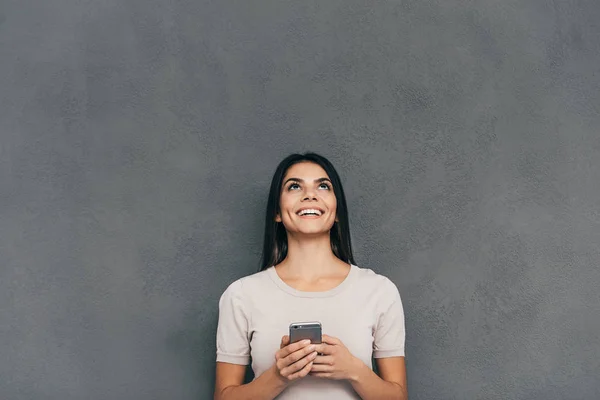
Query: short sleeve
point(389, 332)
point(233, 343)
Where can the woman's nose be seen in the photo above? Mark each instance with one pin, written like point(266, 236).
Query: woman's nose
point(310, 194)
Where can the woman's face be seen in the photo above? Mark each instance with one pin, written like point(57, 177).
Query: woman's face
point(307, 204)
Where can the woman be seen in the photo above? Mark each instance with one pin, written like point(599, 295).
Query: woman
point(308, 274)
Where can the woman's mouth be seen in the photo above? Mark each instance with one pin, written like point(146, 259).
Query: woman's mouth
point(310, 212)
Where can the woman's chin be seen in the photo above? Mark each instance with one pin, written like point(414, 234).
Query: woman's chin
point(310, 233)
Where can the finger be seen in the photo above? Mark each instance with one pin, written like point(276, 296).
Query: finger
point(302, 373)
point(291, 348)
point(285, 340)
point(321, 368)
point(298, 365)
point(324, 360)
point(299, 354)
point(325, 349)
point(331, 340)
point(322, 375)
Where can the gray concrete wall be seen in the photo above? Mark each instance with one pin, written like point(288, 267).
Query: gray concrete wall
point(138, 138)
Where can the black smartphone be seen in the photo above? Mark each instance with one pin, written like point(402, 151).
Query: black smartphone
point(305, 330)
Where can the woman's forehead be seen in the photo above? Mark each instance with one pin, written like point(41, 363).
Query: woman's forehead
point(306, 170)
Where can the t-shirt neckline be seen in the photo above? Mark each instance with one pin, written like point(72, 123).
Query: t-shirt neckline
point(300, 293)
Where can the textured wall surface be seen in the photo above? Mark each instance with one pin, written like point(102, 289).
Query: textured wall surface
point(138, 138)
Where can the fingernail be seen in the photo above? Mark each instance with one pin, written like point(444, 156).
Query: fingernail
point(311, 348)
point(305, 342)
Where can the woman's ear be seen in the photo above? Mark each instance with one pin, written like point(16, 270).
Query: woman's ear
point(277, 218)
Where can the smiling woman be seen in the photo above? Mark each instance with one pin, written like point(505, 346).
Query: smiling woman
point(276, 238)
point(300, 208)
point(308, 274)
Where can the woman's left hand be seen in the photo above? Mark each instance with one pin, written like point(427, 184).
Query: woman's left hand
point(335, 360)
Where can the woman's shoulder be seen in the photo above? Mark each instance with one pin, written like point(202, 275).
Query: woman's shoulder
point(368, 274)
point(249, 283)
point(376, 281)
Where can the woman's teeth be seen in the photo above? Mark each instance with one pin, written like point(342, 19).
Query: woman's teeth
point(309, 212)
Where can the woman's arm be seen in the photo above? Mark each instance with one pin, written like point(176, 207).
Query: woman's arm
point(230, 378)
point(336, 362)
point(292, 361)
point(391, 384)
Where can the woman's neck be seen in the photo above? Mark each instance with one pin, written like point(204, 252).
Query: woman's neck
point(310, 258)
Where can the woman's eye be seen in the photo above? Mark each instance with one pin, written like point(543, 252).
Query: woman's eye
point(295, 186)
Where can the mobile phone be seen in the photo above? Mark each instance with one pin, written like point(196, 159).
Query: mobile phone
point(305, 330)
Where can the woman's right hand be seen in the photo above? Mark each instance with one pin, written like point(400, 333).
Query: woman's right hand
point(294, 361)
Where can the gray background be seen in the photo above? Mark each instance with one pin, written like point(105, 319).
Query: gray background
point(138, 139)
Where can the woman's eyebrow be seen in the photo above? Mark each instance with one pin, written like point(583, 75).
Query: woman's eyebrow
point(302, 180)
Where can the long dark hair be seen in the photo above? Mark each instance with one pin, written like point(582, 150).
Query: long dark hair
point(275, 241)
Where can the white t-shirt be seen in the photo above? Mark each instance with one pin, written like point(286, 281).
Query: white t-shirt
point(364, 311)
